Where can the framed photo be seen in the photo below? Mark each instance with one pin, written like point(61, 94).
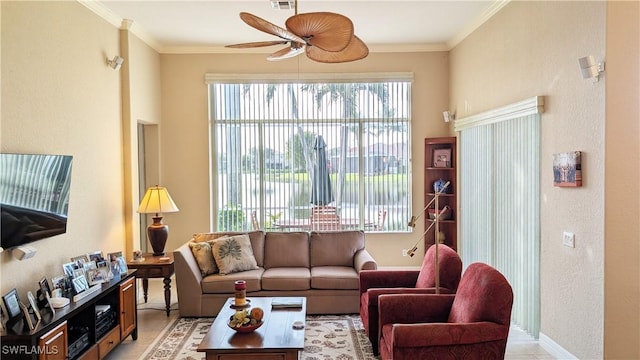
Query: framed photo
point(567, 169)
point(79, 280)
point(118, 262)
point(12, 304)
point(442, 158)
point(60, 285)
point(68, 268)
point(95, 256)
point(34, 306)
point(96, 276)
point(80, 259)
point(27, 316)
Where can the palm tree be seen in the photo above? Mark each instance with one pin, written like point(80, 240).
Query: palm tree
point(348, 96)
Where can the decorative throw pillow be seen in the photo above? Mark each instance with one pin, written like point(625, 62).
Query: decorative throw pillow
point(233, 254)
point(204, 257)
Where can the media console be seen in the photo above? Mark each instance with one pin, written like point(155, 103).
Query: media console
point(85, 330)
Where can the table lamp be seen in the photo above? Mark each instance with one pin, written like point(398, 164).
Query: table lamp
point(155, 201)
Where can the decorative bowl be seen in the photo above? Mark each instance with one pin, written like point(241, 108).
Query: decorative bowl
point(445, 215)
point(245, 328)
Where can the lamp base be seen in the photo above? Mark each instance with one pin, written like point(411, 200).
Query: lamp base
point(158, 234)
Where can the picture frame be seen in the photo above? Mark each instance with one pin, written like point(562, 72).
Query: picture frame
point(68, 268)
point(12, 303)
point(442, 158)
point(95, 256)
point(118, 262)
point(27, 316)
point(567, 169)
point(60, 285)
point(44, 286)
point(79, 280)
point(34, 306)
point(80, 259)
point(96, 276)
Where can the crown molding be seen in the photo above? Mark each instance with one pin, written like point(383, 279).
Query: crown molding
point(120, 23)
point(477, 22)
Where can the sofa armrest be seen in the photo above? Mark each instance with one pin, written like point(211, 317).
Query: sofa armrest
point(387, 279)
point(188, 279)
point(362, 260)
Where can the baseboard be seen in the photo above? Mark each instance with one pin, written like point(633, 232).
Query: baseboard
point(553, 348)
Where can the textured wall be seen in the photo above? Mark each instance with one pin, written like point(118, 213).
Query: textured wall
point(530, 49)
point(59, 96)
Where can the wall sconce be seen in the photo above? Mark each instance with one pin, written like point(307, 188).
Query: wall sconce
point(448, 116)
point(589, 68)
point(116, 62)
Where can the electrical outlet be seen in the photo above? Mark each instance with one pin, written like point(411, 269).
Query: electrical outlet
point(568, 239)
point(405, 252)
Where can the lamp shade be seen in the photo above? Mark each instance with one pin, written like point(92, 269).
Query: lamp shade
point(157, 200)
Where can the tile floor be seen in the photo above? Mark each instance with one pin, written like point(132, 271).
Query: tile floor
point(152, 319)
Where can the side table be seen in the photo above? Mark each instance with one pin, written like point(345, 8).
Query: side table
point(155, 267)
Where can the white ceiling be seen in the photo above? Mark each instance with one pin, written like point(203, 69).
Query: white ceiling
point(205, 26)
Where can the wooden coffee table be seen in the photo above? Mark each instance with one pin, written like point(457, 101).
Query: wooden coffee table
point(276, 339)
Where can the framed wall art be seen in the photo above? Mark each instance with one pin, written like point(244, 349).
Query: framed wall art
point(567, 169)
point(442, 158)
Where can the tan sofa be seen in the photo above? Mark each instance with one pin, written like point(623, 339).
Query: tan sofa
point(321, 266)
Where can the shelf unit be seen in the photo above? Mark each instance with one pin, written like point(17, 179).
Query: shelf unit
point(433, 173)
point(75, 332)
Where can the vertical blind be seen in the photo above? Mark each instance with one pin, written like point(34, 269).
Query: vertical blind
point(267, 165)
point(500, 195)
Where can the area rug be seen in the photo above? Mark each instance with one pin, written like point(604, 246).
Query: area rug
point(326, 337)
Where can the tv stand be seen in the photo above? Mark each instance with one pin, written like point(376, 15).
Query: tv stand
point(86, 330)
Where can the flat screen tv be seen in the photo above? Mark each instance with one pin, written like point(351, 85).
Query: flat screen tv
point(34, 197)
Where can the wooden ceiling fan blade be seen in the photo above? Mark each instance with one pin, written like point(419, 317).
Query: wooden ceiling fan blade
point(356, 50)
point(286, 53)
point(265, 26)
point(256, 44)
point(326, 30)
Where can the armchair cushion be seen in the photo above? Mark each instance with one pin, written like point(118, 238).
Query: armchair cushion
point(450, 266)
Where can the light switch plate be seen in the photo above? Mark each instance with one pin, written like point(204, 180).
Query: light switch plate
point(568, 239)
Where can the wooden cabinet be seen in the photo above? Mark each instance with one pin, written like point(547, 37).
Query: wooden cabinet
point(87, 329)
point(441, 166)
point(53, 345)
point(128, 309)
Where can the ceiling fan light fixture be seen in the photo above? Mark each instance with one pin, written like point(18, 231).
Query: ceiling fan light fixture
point(283, 5)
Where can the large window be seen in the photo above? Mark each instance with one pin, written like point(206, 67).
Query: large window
point(281, 149)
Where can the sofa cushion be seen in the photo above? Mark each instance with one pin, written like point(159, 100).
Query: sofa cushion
point(233, 254)
point(286, 278)
point(286, 250)
point(334, 277)
point(225, 284)
point(257, 241)
point(335, 248)
point(204, 257)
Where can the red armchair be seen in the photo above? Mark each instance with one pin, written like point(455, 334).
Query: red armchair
point(373, 283)
point(471, 324)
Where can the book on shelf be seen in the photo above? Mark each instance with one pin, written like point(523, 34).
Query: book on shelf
point(286, 302)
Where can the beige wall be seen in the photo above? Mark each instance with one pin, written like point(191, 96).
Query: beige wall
point(185, 136)
point(60, 97)
point(141, 105)
point(622, 195)
point(529, 49)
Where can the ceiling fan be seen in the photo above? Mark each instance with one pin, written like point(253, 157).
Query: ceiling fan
point(325, 36)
